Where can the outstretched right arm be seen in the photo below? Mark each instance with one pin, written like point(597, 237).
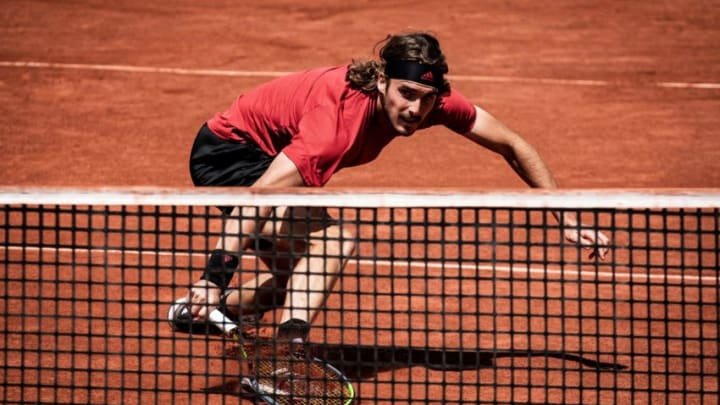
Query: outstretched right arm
point(527, 163)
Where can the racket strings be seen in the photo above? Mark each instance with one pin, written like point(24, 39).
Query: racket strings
point(292, 377)
point(286, 372)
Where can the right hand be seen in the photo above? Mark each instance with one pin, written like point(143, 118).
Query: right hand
point(585, 236)
point(204, 296)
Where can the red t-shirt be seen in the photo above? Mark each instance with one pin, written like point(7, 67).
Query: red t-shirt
point(321, 123)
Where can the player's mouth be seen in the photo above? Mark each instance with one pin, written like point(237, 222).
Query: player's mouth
point(409, 125)
point(410, 120)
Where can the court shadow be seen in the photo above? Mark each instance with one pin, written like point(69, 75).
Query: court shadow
point(361, 362)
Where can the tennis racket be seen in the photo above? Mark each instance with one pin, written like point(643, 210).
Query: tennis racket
point(281, 378)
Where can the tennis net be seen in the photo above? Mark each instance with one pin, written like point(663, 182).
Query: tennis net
point(445, 297)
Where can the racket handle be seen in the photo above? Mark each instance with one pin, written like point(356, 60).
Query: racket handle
point(221, 321)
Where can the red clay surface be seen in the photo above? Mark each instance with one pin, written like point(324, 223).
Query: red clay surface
point(587, 84)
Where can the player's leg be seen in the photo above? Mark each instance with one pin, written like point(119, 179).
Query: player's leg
point(324, 248)
point(327, 247)
point(218, 162)
point(311, 243)
point(265, 291)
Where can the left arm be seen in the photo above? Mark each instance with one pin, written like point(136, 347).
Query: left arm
point(527, 163)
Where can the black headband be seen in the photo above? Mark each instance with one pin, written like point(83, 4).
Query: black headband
point(414, 71)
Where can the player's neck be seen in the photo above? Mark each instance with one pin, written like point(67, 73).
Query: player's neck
point(380, 118)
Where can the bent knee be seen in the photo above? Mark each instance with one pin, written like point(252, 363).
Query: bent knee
point(348, 242)
point(334, 241)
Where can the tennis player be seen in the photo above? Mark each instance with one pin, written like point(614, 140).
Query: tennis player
point(299, 130)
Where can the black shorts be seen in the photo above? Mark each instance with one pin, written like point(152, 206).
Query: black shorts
point(221, 163)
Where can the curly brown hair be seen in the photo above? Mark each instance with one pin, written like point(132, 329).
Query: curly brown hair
point(415, 46)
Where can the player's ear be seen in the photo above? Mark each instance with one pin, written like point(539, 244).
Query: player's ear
point(381, 83)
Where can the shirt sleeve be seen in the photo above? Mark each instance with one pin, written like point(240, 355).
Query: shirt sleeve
point(318, 146)
point(453, 111)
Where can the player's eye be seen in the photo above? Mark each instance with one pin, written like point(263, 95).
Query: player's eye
point(428, 98)
point(408, 94)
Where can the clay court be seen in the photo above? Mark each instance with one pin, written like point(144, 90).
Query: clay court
point(613, 94)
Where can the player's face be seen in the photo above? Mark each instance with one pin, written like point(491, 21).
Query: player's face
point(406, 103)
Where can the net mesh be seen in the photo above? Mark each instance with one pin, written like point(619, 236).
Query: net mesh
point(452, 302)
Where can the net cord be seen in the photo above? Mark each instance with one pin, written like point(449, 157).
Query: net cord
point(368, 198)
